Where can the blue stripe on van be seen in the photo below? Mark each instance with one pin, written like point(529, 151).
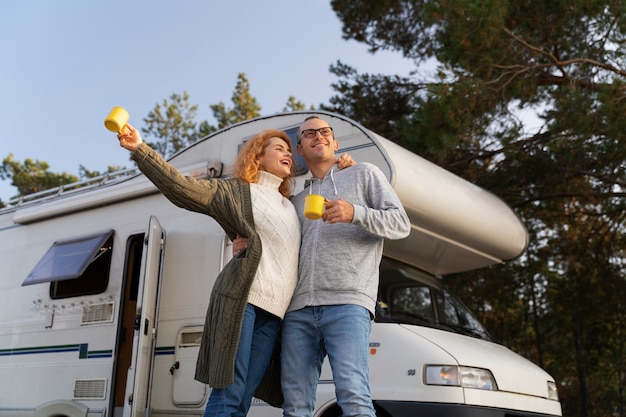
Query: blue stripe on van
point(81, 348)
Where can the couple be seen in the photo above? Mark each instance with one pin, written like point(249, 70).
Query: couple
point(327, 309)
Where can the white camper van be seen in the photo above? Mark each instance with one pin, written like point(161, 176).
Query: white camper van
point(104, 289)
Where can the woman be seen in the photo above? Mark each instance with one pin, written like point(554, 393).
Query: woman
point(252, 292)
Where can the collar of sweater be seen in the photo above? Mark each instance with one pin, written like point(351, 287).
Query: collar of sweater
point(269, 180)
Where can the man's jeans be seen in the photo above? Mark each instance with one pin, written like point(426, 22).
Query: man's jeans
point(308, 335)
point(256, 344)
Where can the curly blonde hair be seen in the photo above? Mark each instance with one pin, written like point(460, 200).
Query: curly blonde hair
point(247, 165)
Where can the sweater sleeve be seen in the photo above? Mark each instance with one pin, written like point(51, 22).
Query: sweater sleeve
point(384, 216)
point(225, 200)
point(185, 192)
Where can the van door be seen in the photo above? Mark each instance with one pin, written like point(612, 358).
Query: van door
point(140, 372)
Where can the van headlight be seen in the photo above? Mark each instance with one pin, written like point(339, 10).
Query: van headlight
point(460, 376)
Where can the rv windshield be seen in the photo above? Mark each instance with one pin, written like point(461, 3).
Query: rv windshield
point(409, 296)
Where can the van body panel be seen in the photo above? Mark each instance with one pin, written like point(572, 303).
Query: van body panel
point(529, 379)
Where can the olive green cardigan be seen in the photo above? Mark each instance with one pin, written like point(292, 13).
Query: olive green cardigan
point(228, 201)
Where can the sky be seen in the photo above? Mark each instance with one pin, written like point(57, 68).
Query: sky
point(66, 63)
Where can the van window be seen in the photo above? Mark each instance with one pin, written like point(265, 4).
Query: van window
point(410, 296)
point(74, 267)
point(299, 164)
point(455, 315)
point(412, 302)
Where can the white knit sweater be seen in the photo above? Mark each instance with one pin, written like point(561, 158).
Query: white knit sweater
point(278, 226)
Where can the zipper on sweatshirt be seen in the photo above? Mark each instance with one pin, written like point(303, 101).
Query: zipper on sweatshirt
point(316, 232)
point(318, 184)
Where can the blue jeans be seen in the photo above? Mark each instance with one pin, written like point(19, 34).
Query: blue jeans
point(256, 344)
point(308, 335)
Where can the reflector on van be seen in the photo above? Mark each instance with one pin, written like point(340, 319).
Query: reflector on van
point(68, 259)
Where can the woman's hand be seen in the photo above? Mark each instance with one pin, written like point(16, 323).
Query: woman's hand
point(239, 244)
point(129, 138)
point(345, 161)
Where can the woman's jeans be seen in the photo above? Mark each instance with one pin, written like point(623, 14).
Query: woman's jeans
point(308, 335)
point(256, 344)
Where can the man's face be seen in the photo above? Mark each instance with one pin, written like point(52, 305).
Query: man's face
point(314, 144)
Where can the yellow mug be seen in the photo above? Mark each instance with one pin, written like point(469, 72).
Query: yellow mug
point(116, 120)
point(313, 206)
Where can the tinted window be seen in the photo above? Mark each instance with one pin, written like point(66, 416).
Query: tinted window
point(409, 296)
point(75, 267)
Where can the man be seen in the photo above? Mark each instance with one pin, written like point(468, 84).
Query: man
point(331, 311)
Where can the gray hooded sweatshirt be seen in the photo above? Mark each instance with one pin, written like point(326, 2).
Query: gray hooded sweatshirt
point(339, 262)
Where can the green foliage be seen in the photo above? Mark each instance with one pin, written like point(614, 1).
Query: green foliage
point(380, 103)
point(245, 106)
point(172, 124)
point(86, 173)
point(526, 100)
point(294, 105)
point(32, 176)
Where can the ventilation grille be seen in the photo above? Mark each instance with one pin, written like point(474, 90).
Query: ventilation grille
point(97, 313)
point(189, 339)
point(90, 389)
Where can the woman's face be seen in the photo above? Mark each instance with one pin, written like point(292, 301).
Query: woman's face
point(276, 159)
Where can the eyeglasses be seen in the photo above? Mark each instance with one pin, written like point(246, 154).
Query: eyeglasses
point(311, 133)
